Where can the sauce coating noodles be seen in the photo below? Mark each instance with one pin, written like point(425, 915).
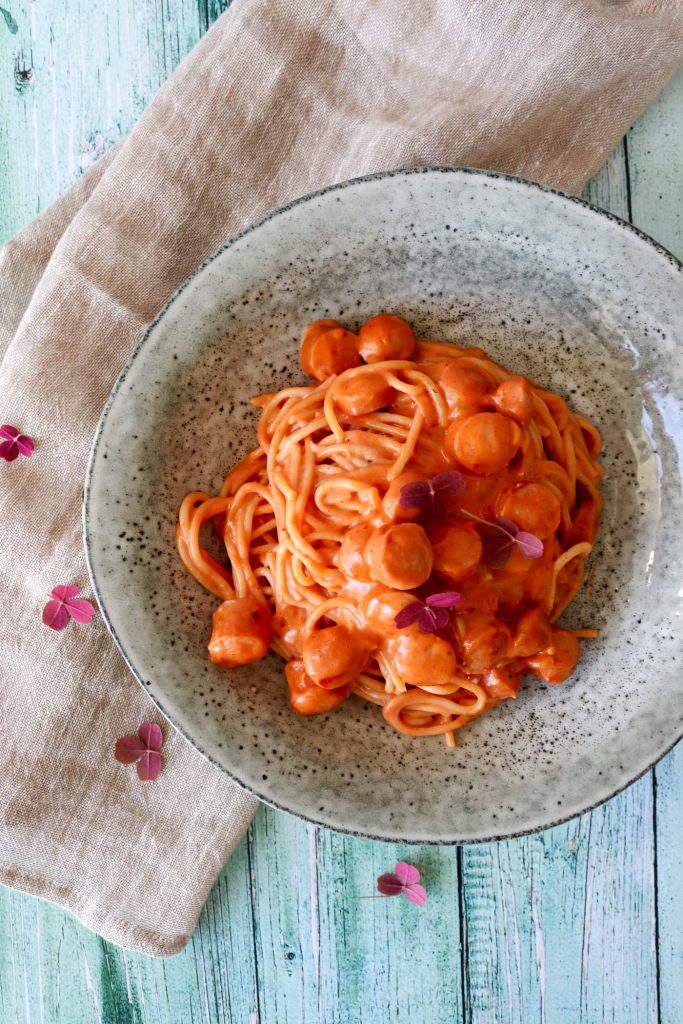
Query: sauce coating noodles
point(408, 529)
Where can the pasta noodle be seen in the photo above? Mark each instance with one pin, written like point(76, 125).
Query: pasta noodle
point(408, 529)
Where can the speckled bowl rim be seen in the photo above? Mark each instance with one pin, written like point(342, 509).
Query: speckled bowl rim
point(405, 171)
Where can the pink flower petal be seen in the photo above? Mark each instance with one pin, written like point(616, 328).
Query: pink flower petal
point(407, 873)
point(416, 894)
point(408, 615)
point(55, 615)
point(448, 599)
point(149, 765)
point(9, 451)
point(151, 735)
point(7, 431)
point(80, 611)
point(64, 593)
point(529, 544)
point(25, 445)
point(129, 749)
point(389, 885)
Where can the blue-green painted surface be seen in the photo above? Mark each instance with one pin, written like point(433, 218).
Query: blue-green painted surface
point(579, 924)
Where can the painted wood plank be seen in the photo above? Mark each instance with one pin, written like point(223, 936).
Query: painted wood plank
point(284, 900)
point(74, 78)
point(655, 146)
point(560, 926)
point(609, 189)
point(384, 959)
point(669, 867)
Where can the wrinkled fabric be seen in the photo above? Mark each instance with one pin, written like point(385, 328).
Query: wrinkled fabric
point(278, 99)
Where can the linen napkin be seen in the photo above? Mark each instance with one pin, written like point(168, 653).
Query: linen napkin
point(278, 99)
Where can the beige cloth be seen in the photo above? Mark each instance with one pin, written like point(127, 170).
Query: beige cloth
point(278, 99)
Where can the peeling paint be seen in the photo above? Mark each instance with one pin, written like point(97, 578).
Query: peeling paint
point(9, 21)
point(92, 149)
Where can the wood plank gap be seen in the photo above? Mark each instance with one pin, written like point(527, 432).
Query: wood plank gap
point(585, 938)
point(252, 907)
point(628, 179)
point(314, 857)
point(655, 882)
point(205, 979)
point(110, 977)
point(464, 956)
point(164, 975)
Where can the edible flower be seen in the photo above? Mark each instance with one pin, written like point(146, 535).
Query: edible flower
point(144, 748)
point(14, 444)
point(403, 879)
point(64, 605)
point(431, 614)
point(428, 494)
point(501, 537)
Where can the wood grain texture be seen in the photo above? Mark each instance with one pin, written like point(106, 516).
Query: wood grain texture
point(74, 78)
point(578, 924)
point(556, 919)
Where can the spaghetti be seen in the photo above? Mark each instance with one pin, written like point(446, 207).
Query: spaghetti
point(409, 529)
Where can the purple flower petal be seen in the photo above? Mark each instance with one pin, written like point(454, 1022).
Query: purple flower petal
point(406, 873)
point(497, 550)
point(507, 525)
point(55, 615)
point(416, 494)
point(389, 885)
point(80, 611)
point(151, 735)
point(426, 621)
point(9, 451)
point(449, 484)
point(25, 445)
point(441, 617)
point(408, 615)
point(529, 544)
point(417, 894)
point(64, 593)
point(7, 431)
point(129, 749)
point(448, 599)
point(149, 765)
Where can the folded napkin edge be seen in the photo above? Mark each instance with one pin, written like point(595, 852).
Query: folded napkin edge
point(98, 919)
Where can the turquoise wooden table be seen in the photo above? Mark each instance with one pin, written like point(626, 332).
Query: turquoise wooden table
point(581, 923)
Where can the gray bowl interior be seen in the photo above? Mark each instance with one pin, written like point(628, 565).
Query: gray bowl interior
point(573, 299)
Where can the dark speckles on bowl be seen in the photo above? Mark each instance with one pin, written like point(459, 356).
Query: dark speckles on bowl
point(557, 291)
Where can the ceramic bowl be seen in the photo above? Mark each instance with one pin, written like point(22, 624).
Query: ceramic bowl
point(571, 297)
